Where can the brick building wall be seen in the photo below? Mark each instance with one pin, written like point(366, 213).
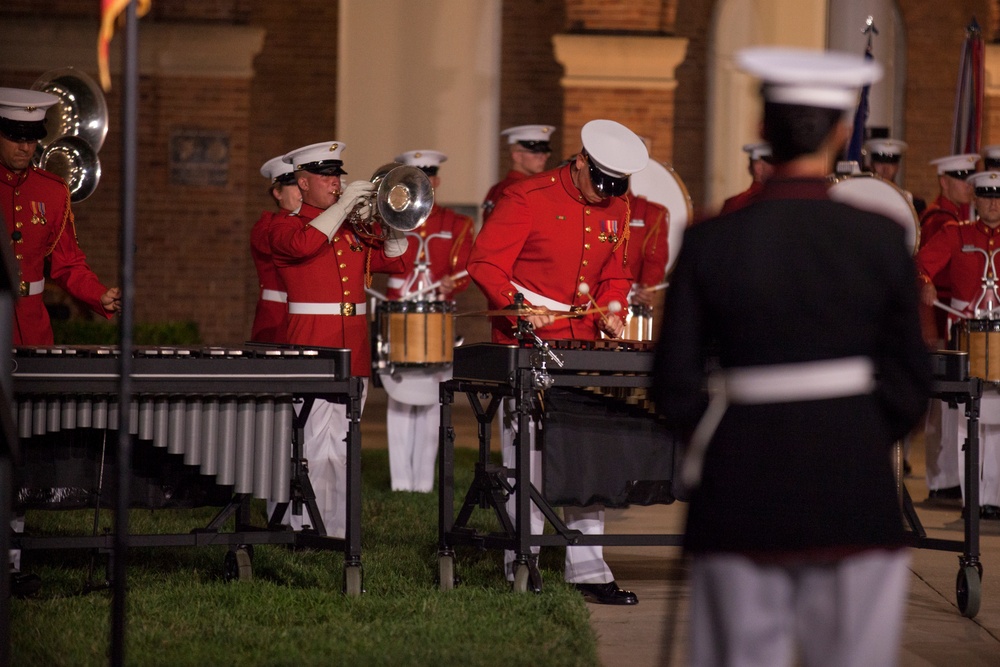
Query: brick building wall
point(621, 15)
point(529, 81)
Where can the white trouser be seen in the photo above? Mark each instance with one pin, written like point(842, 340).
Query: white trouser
point(941, 444)
point(325, 447)
point(989, 449)
point(412, 432)
point(584, 564)
point(847, 614)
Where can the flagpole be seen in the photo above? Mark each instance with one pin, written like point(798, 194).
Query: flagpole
point(857, 141)
point(130, 97)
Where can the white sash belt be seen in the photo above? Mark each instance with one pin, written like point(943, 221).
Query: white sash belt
point(274, 295)
point(31, 289)
point(539, 300)
point(780, 383)
point(346, 309)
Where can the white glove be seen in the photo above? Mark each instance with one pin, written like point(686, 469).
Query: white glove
point(396, 243)
point(330, 220)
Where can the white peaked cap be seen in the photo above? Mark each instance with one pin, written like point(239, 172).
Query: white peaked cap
point(826, 79)
point(614, 149)
point(758, 150)
point(961, 162)
point(275, 167)
point(421, 158)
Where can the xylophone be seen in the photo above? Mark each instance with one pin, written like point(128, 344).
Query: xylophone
point(226, 411)
point(489, 374)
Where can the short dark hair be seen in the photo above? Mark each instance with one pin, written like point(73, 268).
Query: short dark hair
point(794, 130)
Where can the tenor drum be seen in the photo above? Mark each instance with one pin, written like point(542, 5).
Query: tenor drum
point(981, 339)
point(416, 333)
point(639, 323)
point(869, 192)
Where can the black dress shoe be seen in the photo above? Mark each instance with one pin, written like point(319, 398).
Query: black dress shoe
point(950, 493)
point(608, 593)
point(24, 584)
point(989, 512)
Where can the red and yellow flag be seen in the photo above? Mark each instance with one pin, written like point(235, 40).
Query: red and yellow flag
point(110, 11)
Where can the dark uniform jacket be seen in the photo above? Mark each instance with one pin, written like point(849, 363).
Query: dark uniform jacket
point(794, 278)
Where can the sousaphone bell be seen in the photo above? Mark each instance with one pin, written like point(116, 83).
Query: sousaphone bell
point(77, 126)
point(402, 200)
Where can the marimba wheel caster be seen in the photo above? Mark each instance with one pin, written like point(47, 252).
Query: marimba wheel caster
point(522, 575)
point(237, 565)
point(352, 581)
point(968, 590)
point(446, 572)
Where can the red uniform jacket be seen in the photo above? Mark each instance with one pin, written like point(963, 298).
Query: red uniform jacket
point(648, 246)
point(270, 321)
point(318, 271)
point(941, 211)
point(493, 196)
point(443, 242)
point(942, 258)
point(39, 220)
point(544, 237)
point(738, 201)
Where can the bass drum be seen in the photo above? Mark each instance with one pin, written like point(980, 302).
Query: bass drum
point(869, 192)
point(661, 184)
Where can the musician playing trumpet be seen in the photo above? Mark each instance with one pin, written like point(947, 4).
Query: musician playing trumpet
point(961, 255)
point(324, 265)
point(437, 254)
point(549, 235)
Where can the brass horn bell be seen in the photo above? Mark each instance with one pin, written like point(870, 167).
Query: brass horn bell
point(402, 200)
point(77, 126)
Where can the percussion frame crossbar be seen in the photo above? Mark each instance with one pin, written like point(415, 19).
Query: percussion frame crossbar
point(61, 372)
point(494, 373)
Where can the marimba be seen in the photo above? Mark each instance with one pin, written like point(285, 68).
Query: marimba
point(488, 374)
point(228, 412)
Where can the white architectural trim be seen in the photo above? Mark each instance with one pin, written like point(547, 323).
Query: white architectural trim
point(619, 61)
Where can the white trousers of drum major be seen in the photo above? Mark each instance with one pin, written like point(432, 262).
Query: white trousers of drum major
point(942, 443)
point(584, 564)
point(845, 613)
point(324, 446)
point(989, 449)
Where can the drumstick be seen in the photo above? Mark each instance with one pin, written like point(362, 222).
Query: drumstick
point(434, 286)
point(377, 295)
point(951, 310)
point(657, 288)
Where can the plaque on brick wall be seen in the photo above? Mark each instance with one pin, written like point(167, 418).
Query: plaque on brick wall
point(199, 157)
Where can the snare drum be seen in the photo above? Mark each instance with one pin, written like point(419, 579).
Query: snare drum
point(416, 333)
point(639, 323)
point(981, 339)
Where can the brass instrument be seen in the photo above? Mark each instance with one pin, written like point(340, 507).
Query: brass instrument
point(402, 200)
point(77, 126)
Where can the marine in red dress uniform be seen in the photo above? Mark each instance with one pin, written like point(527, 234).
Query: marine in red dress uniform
point(36, 208)
point(548, 236)
point(436, 252)
point(324, 265)
point(270, 322)
point(529, 151)
point(759, 166)
point(949, 255)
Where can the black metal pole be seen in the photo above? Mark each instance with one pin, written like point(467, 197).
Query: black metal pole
point(130, 97)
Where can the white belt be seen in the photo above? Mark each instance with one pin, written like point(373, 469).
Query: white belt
point(539, 300)
point(274, 295)
point(395, 283)
point(779, 383)
point(346, 309)
point(31, 289)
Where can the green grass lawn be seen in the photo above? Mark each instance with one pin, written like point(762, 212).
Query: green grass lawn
point(182, 612)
